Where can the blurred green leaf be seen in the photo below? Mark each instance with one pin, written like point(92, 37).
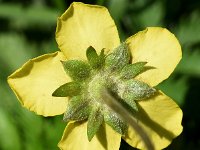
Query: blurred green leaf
point(31, 125)
point(188, 31)
point(60, 5)
point(190, 63)
point(175, 88)
point(117, 9)
point(15, 50)
point(54, 128)
point(24, 17)
point(9, 136)
point(139, 5)
point(49, 46)
point(100, 2)
point(151, 16)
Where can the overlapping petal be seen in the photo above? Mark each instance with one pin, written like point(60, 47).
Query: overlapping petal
point(35, 82)
point(160, 49)
point(84, 25)
point(161, 118)
point(75, 138)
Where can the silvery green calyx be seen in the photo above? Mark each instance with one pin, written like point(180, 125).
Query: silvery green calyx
point(112, 72)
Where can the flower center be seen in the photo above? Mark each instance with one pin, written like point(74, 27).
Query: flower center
point(95, 87)
point(113, 73)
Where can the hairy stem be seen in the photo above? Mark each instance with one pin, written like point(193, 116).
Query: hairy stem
point(124, 114)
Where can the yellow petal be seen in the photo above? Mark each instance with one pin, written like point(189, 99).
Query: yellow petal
point(160, 49)
point(75, 138)
point(161, 118)
point(35, 82)
point(84, 25)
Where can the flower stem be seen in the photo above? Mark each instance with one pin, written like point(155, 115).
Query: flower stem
point(124, 114)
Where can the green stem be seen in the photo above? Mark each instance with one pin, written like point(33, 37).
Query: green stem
point(111, 102)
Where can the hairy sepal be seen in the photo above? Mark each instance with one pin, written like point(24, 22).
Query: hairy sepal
point(96, 61)
point(68, 89)
point(131, 70)
point(78, 109)
point(78, 70)
point(115, 122)
point(94, 122)
point(118, 58)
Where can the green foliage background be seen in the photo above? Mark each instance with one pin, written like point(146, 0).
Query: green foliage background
point(27, 30)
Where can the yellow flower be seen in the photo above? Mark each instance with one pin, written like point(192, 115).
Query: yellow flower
point(80, 27)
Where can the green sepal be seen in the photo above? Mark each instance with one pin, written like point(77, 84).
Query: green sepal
point(68, 89)
point(78, 109)
point(136, 90)
point(115, 122)
point(94, 122)
point(95, 61)
point(131, 103)
point(102, 58)
point(118, 58)
point(131, 70)
point(78, 70)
